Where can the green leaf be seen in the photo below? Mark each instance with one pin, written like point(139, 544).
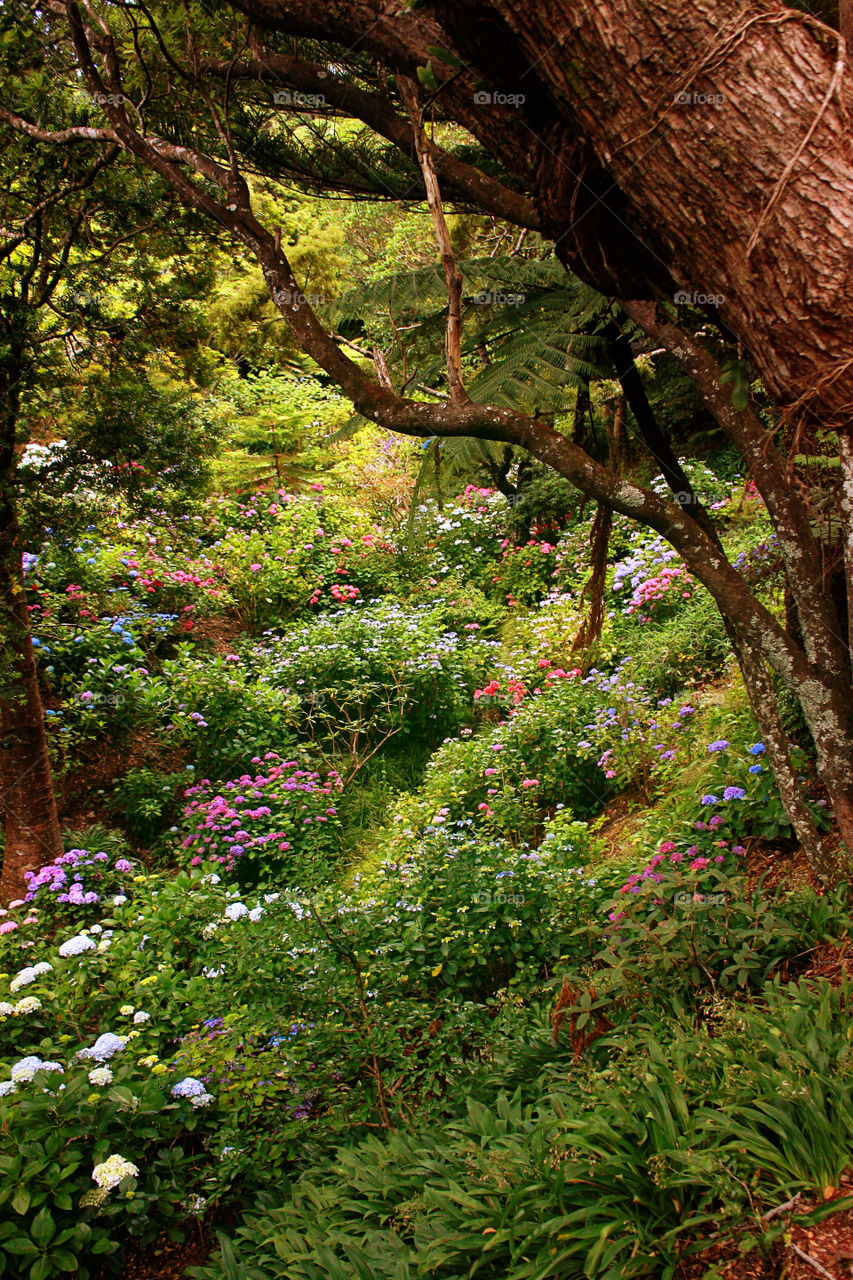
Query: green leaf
point(21, 1200)
point(19, 1245)
point(63, 1260)
point(43, 1227)
point(426, 75)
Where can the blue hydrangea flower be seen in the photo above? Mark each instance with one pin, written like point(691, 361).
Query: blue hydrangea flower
point(709, 800)
point(189, 1087)
point(755, 768)
point(758, 749)
point(734, 793)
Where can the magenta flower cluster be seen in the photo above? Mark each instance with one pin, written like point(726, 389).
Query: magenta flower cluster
point(276, 811)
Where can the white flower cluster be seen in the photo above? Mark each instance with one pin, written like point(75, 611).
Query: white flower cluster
point(237, 911)
point(29, 1004)
point(101, 1076)
point(77, 945)
point(104, 1047)
point(110, 1173)
point(24, 1070)
point(25, 976)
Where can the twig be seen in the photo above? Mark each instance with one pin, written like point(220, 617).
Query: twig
point(780, 1208)
point(452, 274)
point(812, 1263)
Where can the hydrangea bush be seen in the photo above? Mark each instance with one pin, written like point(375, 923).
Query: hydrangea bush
point(282, 819)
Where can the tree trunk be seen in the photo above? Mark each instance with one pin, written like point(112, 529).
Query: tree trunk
point(672, 146)
point(712, 137)
point(845, 23)
point(26, 785)
point(32, 835)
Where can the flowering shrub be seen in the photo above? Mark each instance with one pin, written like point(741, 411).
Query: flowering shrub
point(78, 886)
point(284, 817)
point(654, 592)
point(690, 919)
point(525, 573)
point(358, 675)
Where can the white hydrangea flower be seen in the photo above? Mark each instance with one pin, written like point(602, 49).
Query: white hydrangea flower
point(7, 1087)
point(141, 1016)
point(96, 928)
point(29, 1004)
point(255, 914)
point(105, 944)
point(24, 1070)
point(6, 1009)
point(23, 978)
point(42, 967)
point(209, 929)
point(104, 1047)
point(235, 910)
point(119, 900)
point(271, 897)
point(110, 1173)
point(77, 945)
point(101, 1076)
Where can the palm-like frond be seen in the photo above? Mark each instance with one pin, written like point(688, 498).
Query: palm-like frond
point(534, 324)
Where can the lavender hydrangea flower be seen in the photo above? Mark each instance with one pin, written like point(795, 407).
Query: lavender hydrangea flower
point(104, 1047)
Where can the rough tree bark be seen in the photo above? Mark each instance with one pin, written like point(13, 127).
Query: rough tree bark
point(700, 146)
point(32, 835)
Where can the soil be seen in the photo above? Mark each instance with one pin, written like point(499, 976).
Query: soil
point(165, 1259)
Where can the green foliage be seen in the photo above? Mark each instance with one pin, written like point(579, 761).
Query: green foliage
point(607, 1176)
